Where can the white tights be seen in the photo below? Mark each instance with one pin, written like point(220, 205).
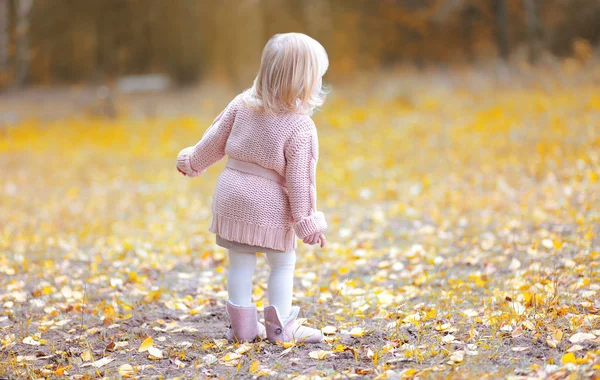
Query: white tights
point(280, 285)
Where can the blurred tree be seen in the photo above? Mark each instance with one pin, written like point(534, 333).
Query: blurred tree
point(533, 29)
point(4, 35)
point(500, 13)
point(23, 54)
point(101, 40)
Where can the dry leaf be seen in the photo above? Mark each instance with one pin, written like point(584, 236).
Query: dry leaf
point(126, 370)
point(209, 359)
point(98, 363)
point(357, 332)
point(457, 356)
point(87, 356)
point(146, 344)
point(320, 354)
point(231, 359)
point(575, 348)
point(520, 348)
point(517, 332)
point(568, 358)
point(30, 341)
point(154, 353)
point(243, 348)
point(254, 366)
point(557, 335)
point(329, 330)
point(581, 337)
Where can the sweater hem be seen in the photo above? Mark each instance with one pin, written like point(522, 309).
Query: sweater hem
point(280, 239)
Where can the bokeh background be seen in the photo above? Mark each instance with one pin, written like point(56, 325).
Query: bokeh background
point(49, 42)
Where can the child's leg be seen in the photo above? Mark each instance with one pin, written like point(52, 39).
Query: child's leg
point(281, 281)
point(239, 281)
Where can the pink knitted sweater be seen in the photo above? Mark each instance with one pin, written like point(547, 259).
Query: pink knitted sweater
point(267, 193)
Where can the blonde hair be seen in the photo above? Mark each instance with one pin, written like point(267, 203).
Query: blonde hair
point(290, 75)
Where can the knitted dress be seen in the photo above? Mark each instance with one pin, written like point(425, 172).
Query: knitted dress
point(267, 193)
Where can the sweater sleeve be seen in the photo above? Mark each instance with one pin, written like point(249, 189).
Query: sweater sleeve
point(301, 167)
point(194, 160)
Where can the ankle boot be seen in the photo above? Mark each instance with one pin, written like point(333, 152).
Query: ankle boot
point(244, 323)
point(286, 330)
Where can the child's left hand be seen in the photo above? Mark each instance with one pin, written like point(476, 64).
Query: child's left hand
point(315, 238)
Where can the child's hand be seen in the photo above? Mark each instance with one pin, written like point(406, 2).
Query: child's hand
point(315, 238)
point(184, 165)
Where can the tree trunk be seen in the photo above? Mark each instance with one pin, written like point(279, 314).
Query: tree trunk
point(469, 14)
point(4, 35)
point(500, 11)
point(533, 30)
point(22, 55)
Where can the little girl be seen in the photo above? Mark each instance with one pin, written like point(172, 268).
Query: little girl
point(267, 193)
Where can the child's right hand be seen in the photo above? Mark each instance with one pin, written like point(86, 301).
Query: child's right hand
point(184, 165)
point(315, 238)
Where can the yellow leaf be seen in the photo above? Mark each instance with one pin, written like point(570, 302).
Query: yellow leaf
point(254, 366)
point(557, 335)
point(529, 325)
point(569, 358)
point(320, 354)
point(357, 332)
point(231, 359)
point(126, 370)
point(86, 356)
point(243, 348)
point(146, 344)
point(154, 353)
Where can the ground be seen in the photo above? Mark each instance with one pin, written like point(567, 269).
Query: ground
point(463, 238)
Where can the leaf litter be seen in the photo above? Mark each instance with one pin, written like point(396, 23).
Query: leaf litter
point(463, 240)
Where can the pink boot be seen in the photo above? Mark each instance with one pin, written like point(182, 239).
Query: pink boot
point(244, 323)
point(287, 330)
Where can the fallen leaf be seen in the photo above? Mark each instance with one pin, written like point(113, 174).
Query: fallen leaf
point(320, 354)
point(231, 359)
point(457, 356)
point(357, 332)
point(243, 348)
point(30, 341)
point(209, 359)
point(568, 358)
point(443, 327)
point(254, 366)
point(517, 332)
point(154, 353)
point(557, 335)
point(581, 337)
point(575, 348)
point(329, 330)
point(520, 348)
point(126, 370)
point(529, 325)
point(98, 363)
point(87, 356)
point(146, 344)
